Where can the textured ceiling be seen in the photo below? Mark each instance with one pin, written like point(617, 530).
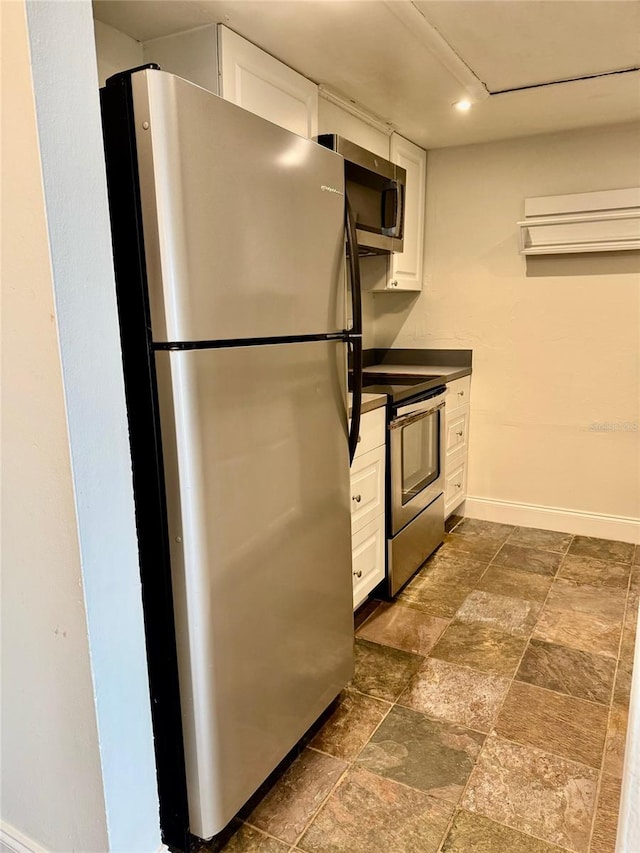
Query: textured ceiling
point(408, 63)
point(513, 44)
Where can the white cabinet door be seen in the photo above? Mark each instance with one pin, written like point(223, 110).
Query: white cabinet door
point(406, 267)
point(457, 436)
point(261, 84)
point(367, 488)
point(368, 559)
point(455, 483)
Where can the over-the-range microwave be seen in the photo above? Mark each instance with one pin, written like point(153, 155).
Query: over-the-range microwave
point(376, 190)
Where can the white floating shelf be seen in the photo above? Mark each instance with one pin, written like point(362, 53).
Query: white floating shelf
point(606, 221)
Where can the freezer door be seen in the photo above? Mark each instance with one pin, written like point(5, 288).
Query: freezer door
point(243, 221)
point(255, 452)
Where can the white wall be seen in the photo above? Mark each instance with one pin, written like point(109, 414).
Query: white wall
point(52, 782)
point(60, 776)
point(556, 341)
point(115, 51)
point(192, 54)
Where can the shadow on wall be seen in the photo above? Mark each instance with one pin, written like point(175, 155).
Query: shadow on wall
point(391, 312)
point(584, 263)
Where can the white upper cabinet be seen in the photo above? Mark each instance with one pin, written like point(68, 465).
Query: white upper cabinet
point(261, 84)
point(405, 271)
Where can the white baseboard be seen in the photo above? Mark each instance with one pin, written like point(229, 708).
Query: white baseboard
point(553, 518)
point(14, 841)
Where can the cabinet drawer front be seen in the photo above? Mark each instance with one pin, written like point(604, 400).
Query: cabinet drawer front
point(372, 431)
point(368, 559)
point(367, 487)
point(455, 484)
point(457, 431)
point(458, 392)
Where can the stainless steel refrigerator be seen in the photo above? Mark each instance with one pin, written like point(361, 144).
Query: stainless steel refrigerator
point(229, 248)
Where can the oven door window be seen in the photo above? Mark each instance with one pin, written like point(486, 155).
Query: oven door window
point(420, 455)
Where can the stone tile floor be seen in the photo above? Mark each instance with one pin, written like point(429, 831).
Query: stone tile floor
point(488, 710)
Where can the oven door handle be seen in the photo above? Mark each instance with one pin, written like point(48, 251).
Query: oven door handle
point(423, 405)
point(403, 420)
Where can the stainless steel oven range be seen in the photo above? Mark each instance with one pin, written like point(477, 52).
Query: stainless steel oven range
point(415, 471)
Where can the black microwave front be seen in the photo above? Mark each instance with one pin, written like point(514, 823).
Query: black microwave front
point(376, 189)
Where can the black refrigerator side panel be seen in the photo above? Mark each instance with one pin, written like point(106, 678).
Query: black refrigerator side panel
point(148, 475)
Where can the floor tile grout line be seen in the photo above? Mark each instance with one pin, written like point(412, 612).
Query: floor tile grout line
point(514, 829)
point(546, 752)
point(260, 830)
point(320, 806)
point(350, 764)
point(348, 768)
point(396, 702)
point(399, 649)
point(497, 715)
point(512, 680)
point(601, 769)
point(448, 828)
point(457, 807)
point(560, 692)
point(541, 548)
point(554, 578)
point(611, 703)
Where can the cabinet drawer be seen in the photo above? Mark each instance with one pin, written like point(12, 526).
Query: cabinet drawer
point(372, 431)
point(458, 392)
point(457, 430)
point(368, 559)
point(367, 487)
point(455, 483)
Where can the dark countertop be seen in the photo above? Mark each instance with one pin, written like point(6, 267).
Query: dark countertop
point(370, 402)
point(437, 366)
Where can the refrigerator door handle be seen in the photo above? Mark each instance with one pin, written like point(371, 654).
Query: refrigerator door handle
point(356, 396)
point(355, 333)
point(354, 268)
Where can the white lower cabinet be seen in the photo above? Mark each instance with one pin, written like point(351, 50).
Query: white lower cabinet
point(367, 559)
point(367, 487)
point(455, 482)
point(368, 506)
point(456, 438)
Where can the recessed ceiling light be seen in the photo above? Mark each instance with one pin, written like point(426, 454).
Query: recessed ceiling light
point(463, 106)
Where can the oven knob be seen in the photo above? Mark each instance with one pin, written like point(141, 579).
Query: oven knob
point(357, 498)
